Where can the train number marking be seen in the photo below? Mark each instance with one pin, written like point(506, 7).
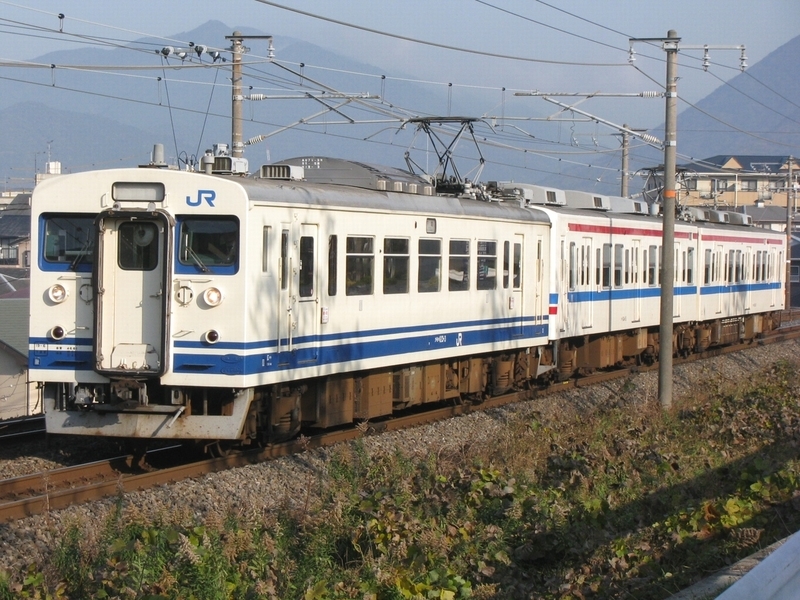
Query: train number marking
point(440, 339)
point(202, 196)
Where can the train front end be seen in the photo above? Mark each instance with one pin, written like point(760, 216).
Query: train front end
point(133, 295)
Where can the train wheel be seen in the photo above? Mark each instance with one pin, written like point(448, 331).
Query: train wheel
point(219, 449)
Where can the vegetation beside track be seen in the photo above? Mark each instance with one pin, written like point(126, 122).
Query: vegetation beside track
point(625, 500)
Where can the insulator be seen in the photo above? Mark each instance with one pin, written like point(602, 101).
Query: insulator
point(257, 97)
point(651, 94)
point(255, 140)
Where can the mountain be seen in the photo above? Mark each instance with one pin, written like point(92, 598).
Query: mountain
point(104, 117)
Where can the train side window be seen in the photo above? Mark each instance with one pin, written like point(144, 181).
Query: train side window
point(618, 255)
point(137, 248)
point(395, 266)
point(458, 266)
point(284, 259)
point(627, 266)
point(333, 254)
point(707, 267)
point(306, 283)
point(652, 265)
point(430, 264)
point(660, 262)
point(487, 265)
point(68, 242)
point(360, 265)
point(598, 266)
point(517, 283)
point(506, 264)
point(606, 265)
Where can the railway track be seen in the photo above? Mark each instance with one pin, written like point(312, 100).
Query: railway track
point(52, 490)
point(15, 430)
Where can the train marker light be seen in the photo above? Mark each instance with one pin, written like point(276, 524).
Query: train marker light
point(211, 336)
point(57, 333)
point(212, 296)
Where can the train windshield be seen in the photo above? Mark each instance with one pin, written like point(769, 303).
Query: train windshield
point(208, 244)
point(68, 242)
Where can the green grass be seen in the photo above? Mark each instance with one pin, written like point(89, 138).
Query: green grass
point(623, 501)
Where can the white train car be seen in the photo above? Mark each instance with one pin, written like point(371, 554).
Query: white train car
point(168, 304)
point(605, 279)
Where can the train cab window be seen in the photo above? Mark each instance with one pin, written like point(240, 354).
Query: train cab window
point(208, 244)
point(68, 242)
point(517, 282)
point(306, 277)
point(137, 248)
point(360, 265)
point(333, 254)
point(395, 266)
point(487, 265)
point(458, 267)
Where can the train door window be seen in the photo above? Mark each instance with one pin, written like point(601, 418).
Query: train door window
point(506, 264)
point(618, 264)
point(430, 265)
point(660, 263)
point(487, 265)
point(68, 242)
point(729, 266)
point(306, 283)
point(764, 272)
point(606, 265)
point(360, 265)
point(265, 249)
point(795, 274)
point(137, 249)
point(573, 276)
point(690, 266)
point(707, 267)
point(517, 281)
point(598, 266)
point(652, 265)
point(395, 266)
point(284, 259)
point(635, 264)
point(738, 272)
point(333, 254)
point(679, 266)
point(627, 266)
point(458, 267)
point(586, 259)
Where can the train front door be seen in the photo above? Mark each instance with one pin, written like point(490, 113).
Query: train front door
point(129, 301)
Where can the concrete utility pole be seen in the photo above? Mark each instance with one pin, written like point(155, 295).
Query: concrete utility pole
point(668, 224)
point(789, 195)
point(624, 187)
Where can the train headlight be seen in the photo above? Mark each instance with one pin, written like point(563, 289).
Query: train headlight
point(57, 293)
point(212, 296)
point(57, 333)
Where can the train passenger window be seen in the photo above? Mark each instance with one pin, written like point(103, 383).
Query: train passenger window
point(660, 262)
point(627, 266)
point(458, 267)
point(395, 266)
point(731, 266)
point(690, 266)
point(738, 269)
point(506, 264)
point(360, 265)
point(208, 244)
point(707, 267)
point(137, 248)
point(517, 284)
point(618, 256)
point(333, 253)
point(306, 278)
point(68, 242)
point(487, 265)
point(430, 263)
point(598, 266)
point(606, 265)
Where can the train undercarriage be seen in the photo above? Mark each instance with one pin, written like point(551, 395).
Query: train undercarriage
point(225, 417)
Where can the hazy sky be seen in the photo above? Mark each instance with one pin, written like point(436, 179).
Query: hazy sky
point(514, 45)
